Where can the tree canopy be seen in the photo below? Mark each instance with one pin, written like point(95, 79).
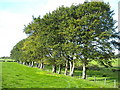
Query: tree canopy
point(67, 35)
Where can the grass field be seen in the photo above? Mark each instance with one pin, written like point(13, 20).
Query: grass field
point(15, 75)
point(99, 73)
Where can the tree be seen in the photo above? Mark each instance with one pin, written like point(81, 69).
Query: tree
point(70, 34)
point(90, 29)
point(17, 52)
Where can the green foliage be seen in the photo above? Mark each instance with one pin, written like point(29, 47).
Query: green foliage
point(16, 52)
point(4, 57)
point(80, 32)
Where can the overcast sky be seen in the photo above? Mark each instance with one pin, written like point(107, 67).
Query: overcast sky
point(14, 14)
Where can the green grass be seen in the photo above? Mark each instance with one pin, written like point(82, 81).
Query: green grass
point(101, 74)
point(15, 75)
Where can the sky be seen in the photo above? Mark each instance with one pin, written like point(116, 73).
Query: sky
point(14, 14)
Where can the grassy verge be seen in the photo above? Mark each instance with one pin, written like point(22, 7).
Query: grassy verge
point(15, 75)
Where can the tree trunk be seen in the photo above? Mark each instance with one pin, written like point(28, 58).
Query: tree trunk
point(23, 63)
point(39, 65)
point(54, 68)
point(18, 62)
point(27, 63)
point(84, 71)
point(66, 68)
point(32, 63)
point(42, 65)
point(72, 68)
point(59, 71)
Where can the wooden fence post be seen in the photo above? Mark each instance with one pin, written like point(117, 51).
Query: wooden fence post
point(94, 79)
point(114, 83)
point(105, 81)
point(79, 76)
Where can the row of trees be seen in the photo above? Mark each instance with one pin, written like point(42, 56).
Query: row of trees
point(69, 35)
point(5, 57)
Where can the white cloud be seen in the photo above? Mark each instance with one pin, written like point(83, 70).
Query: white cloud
point(11, 30)
point(53, 4)
point(12, 23)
